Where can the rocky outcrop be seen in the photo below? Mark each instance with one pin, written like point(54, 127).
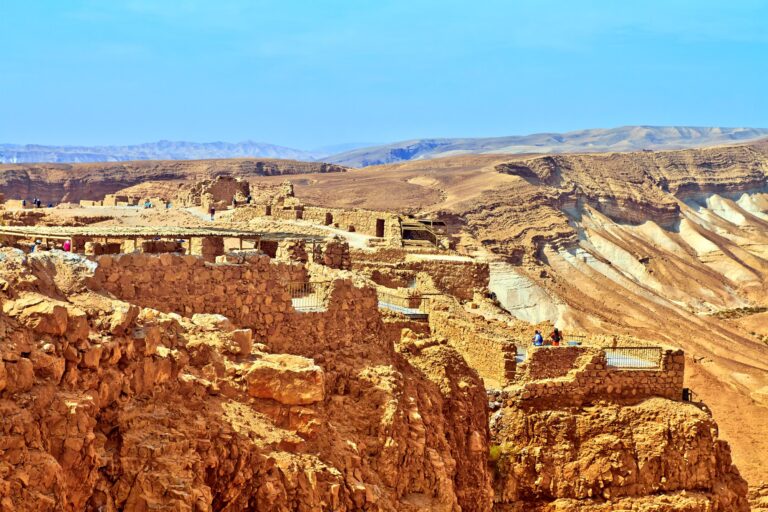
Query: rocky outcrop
point(655, 455)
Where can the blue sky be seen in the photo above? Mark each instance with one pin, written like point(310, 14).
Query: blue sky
point(312, 73)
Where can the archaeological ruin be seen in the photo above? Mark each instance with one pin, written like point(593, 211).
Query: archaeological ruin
point(292, 356)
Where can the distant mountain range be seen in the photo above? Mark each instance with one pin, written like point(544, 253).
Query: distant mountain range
point(625, 138)
point(162, 150)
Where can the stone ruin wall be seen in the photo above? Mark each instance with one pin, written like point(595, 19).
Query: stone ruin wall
point(461, 279)
point(331, 252)
point(363, 221)
point(253, 295)
point(119, 200)
point(551, 375)
point(482, 343)
point(217, 193)
point(577, 375)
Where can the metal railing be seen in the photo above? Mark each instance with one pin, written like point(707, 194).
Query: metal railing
point(633, 358)
point(308, 296)
point(521, 353)
point(409, 305)
point(574, 339)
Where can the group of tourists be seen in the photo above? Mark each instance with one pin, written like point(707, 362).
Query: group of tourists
point(38, 245)
point(555, 337)
point(36, 202)
point(235, 203)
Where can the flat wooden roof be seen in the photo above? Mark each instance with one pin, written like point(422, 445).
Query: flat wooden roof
point(129, 232)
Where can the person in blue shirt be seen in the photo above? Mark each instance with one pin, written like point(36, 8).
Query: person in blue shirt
point(538, 339)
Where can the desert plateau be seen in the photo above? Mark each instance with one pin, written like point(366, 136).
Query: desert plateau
point(279, 335)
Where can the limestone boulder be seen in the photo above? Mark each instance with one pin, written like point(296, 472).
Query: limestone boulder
point(212, 322)
point(239, 342)
point(41, 314)
point(288, 379)
point(123, 316)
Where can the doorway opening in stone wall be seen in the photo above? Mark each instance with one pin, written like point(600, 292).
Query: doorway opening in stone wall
point(380, 228)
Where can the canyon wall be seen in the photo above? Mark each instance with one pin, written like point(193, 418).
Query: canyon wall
point(627, 187)
point(74, 182)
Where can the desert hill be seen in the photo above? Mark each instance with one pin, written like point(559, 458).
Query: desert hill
point(625, 138)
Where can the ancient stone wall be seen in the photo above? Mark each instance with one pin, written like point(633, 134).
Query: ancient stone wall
point(217, 192)
point(250, 294)
point(333, 252)
point(460, 279)
point(545, 378)
point(119, 200)
point(16, 204)
point(350, 316)
point(481, 342)
point(292, 250)
point(369, 222)
point(553, 362)
point(22, 218)
point(253, 294)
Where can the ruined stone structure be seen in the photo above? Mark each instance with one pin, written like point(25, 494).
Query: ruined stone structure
point(120, 376)
point(217, 192)
point(119, 200)
point(486, 345)
point(458, 278)
point(578, 375)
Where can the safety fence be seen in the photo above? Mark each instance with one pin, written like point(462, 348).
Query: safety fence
point(575, 339)
point(633, 358)
point(308, 296)
point(413, 306)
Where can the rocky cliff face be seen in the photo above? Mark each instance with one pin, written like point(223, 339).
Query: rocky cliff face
point(73, 182)
point(109, 406)
point(653, 455)
point(627, 187)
